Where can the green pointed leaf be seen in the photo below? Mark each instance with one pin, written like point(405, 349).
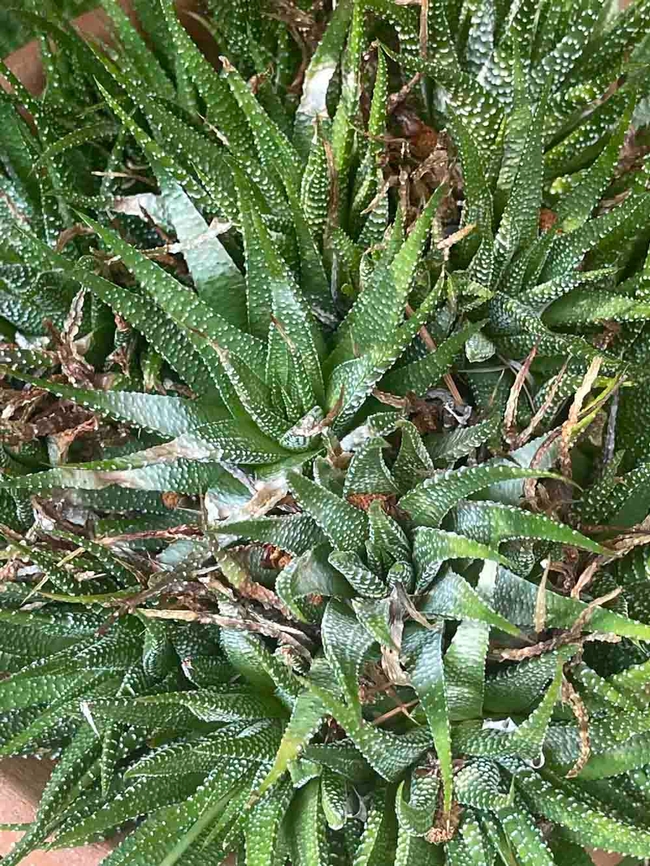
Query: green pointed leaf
point(446, 448)
point(306, 718)
point(352, 381)
point(204, 326)
point(298, 330)
point(179, 476)
point(263, 825)
point(559, 62)
point(62, 579)
point(576, 207)
point(568, 249)
point(452, 597)
point(165, 125)
point(308, 828)
point(432, 547)
point(265, 267)
point(240, 743)
point(478, 207)
point(387, 753)
point(369, 175)
point(465, 662)
point(217, 279)
point(48, 723)
point(519, 222)
point(525, 837)
point(167, 415)
point(334, 798)
point(588, 824)
point(345, 642)
point(368, 472)
point(413, 851)
point(529, 737)
point(364, 581)
point(222, 108)
point(343, 124)
point(310, 574)
point(388, 543)
point(493, 523)
point(376, 843)
point(112, 738)
point(319, 73)
point(117, 568)
point(517, 688)
point(518, 598)
point(167, 834)
point(295, 533)
point(180, 708)
point(479, 785)
point(381, 305)
point(163, 334)
point(431, 500)
point(416, 812)
point(345, 526)
point(413, 463)
point(73, 764)
point(140, 56)
point(145, 796)
point(315, 184)
point(428, 679)
point(254, 394)
point(275, 151)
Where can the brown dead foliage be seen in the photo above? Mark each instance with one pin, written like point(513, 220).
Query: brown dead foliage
point(32, 414)
point(445, 825)
point(547, 219)
point(69, 350)
point(570, 696)
point(363, 501)
point(509, 422)
point(565, 637)
point(274, 558)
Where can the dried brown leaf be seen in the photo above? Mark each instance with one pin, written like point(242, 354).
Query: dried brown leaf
point(509, 419)
point(571, 697)
point(574, 413)
point(525, 434)
point(585, 578)
point(62, 441)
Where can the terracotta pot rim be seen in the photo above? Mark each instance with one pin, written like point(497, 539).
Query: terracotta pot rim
point(25, 62)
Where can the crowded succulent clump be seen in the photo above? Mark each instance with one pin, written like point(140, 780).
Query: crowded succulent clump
point(326, 465)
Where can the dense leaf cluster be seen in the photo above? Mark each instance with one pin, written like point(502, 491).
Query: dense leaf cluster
point(327, 472)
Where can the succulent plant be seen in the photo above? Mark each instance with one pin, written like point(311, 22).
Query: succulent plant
point(353, 568)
